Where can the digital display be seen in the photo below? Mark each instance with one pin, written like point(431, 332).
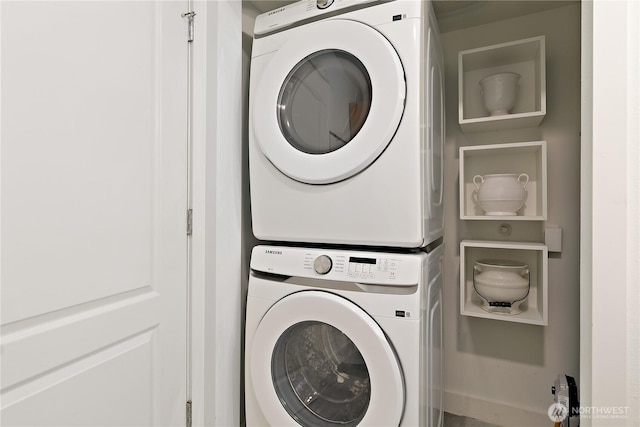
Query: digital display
point(362, 260)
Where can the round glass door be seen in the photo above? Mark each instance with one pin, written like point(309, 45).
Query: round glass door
point(324, 101)
point(319, 360)
point(320, 376)
point(327, 103)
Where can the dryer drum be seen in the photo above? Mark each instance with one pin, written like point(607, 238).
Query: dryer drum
point(324, 101)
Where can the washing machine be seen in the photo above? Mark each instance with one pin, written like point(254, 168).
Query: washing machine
point(339, 337)
point(346, 124)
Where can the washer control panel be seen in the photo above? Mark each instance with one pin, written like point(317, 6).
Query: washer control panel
point(355, 267)
point(348, 266)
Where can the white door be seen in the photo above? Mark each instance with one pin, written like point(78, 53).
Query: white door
point(94, 198)
point(327, 103)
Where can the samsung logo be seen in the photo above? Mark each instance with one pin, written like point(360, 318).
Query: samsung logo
point(273, 12)
point(272, 252)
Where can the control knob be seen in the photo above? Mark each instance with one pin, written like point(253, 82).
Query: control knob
point(323, 4)
point(322, 264)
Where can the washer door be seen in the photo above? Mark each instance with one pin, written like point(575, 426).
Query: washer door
point(317, 359)
point(329, 101)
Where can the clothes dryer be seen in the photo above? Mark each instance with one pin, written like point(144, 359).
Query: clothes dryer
point(346, 124)
point(337, 337)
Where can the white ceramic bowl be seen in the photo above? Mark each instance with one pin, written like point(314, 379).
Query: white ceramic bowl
point(501, 284)
point(500, 194)
point(500, 92)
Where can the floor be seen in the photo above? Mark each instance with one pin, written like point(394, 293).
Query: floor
point(451, 420)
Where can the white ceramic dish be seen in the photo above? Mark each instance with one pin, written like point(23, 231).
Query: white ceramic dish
point(500, 92)
point(500, 194)
point(501, 284)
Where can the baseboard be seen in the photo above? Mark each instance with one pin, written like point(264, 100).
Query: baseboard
point(493, 412)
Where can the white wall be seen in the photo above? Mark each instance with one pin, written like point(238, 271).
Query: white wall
point(502, 372)
point(611, 186)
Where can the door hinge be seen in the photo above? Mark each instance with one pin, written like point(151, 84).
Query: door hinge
point(190, 17)
point(189, 222)
point(189, 420)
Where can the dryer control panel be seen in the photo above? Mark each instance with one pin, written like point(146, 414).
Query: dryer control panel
point(332, 264)
point(310, 10)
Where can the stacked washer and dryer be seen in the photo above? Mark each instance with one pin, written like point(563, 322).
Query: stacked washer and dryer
point(346, 132)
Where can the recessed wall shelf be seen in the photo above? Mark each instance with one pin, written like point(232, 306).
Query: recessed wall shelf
point(509, 158)
point(525, 57)
point(535, 255)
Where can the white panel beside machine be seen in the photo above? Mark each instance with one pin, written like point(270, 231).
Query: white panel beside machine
point(346, 121)
point(337, 337)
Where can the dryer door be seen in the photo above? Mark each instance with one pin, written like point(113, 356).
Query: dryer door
point(317, 359)
point(329, 101)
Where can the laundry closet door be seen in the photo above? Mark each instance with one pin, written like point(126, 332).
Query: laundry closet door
point(93, 179)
